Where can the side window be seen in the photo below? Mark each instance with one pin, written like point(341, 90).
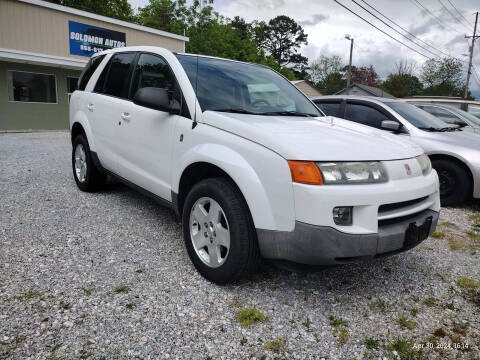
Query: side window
point(330, 109)
point(153, 71)
point(90, 68)
point(364, 114)
point(442, 114)
point(117, 81)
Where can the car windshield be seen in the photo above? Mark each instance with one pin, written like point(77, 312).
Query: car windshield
point(417, 117)
point(230, 86)
point(473, 120)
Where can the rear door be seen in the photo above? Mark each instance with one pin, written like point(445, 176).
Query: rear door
point(109, 101)
point(146, 137)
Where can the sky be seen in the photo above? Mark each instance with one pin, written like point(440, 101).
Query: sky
point(326, 23)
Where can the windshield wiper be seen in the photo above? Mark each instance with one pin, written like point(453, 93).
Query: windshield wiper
point(444, 129)
point(288, 113)
point(235, 110)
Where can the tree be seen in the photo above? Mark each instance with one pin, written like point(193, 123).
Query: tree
point(365, 75)
point(281, 38)
point(442, 77)
point(323, 67)
point(402, 85)
point(118, 9)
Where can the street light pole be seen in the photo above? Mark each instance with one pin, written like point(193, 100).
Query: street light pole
point(348, 37)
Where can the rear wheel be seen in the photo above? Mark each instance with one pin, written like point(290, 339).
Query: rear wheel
point(218, 231)
point(85, 173)
point(454, 182)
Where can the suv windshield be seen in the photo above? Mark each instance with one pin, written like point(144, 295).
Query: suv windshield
point(230, 86)
point(417, 117)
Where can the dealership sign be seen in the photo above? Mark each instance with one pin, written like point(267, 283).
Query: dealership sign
point(85, 40)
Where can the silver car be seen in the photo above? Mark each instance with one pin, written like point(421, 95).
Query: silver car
point(452, 115)
point(455, 154)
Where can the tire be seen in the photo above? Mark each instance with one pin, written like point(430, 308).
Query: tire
point(455, 184)
point(89, 178)
point(242, 257)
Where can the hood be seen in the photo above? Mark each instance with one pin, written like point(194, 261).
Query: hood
point(464, 139)
point(317, 139)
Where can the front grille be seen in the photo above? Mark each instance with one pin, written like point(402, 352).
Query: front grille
point(399, 205)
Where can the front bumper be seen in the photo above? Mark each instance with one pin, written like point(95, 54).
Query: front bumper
point(324, 245)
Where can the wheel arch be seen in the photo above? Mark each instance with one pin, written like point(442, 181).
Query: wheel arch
point(80, 125)
point(458, 161)
point(203, 162)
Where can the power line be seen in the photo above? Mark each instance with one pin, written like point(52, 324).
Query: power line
point(453, 16)
point(390, 36)
point(398, 32)
point(459, 13)
point(408, 32)
point(418, 4)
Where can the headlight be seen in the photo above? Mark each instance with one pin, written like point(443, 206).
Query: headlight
point(353, 172)
point(425, 164)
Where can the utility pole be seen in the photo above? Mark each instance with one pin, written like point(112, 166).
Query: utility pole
point(348, 37)
point(469, 69)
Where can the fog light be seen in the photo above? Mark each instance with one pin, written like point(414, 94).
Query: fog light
point(342, 215)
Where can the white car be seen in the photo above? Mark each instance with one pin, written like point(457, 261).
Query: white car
point(251, 166)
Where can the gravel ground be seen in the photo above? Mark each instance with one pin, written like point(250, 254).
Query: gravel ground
point(91, 276)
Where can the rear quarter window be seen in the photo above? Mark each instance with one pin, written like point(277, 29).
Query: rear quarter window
point(90, 68)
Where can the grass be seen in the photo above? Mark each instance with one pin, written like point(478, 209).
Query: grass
point(122, 289)
point(248, 317)
point(406, 324)
point(371, 344)
point(414, 311)
point(449, 224)
point(439, 234)
point(29, 294)
point(382, 305)
point(275, 345)
point(87, 291)
point(430, 301)
point(405, 349)
point(337, 322)
point(342, 336)
point(130, 306)
point(466, 283)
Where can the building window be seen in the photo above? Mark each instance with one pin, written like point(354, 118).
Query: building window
point(72, 85)
point(31, 87)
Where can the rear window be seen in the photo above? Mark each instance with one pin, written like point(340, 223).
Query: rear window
point(92, 65)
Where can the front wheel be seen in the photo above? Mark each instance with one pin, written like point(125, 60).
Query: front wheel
point(218, 231)
point(455, 183)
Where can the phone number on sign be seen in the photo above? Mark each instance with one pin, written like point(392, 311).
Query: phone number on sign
point(440, 345)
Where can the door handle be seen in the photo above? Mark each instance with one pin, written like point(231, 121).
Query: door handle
point(125, 116)
point(91, 107)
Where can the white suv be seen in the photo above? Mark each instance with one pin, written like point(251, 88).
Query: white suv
point(251, 166)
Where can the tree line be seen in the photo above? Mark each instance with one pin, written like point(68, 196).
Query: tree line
point(276, 44)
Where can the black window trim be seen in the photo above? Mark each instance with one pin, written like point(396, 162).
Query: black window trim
point(101, 57)
point(34, 102)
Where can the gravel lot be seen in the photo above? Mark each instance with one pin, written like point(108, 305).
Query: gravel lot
point(106, 276)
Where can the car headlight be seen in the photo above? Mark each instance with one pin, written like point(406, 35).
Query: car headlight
point(425, 163)
point(353, 172)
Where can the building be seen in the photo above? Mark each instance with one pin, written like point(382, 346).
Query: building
point(43, 49)
point(364, 90)
point(308, 89)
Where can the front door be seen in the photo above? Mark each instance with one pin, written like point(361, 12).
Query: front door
point(146, 135)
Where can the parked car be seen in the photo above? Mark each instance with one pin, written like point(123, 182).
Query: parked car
point(250, 164)
point(470, 106)
point(453, 116)
point(454, 154)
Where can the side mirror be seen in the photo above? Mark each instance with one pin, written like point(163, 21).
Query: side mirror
point(391, 125)
point(157, 99)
